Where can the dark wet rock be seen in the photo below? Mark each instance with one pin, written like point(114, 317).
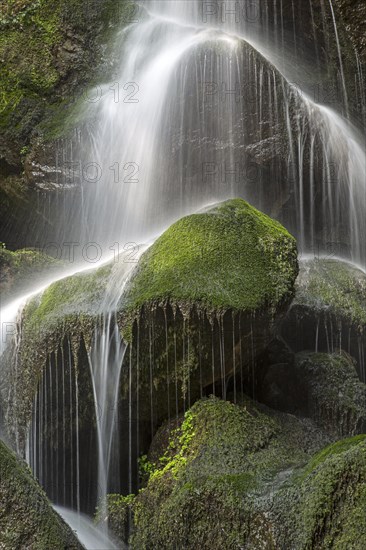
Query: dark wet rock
point(214, 484)
point(198, 314)
point(276, 383)
point(26, 516)
point(323, 504)
point(330, 393)
point(329, 310)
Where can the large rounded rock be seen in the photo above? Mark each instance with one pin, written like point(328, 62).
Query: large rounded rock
point(26, 517)
point(230, 256)
point(213, 483)
point(204, 301)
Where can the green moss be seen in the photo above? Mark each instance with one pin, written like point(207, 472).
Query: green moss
point(232, 256)
point(211, 427)
point(206, 488)
point(333, 286)
point(47, 51)
point(73, 296)
point(27, 40)
point(26, 516)
point(324, 507)
point(332, 450)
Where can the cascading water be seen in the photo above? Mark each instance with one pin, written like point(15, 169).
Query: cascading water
point(105, 360)
point(203, 108)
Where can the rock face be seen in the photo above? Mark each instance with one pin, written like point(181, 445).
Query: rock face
point(324, 505)
point(47, 53)
point(232, 476)
point(26, 517)
point(50, 56)
point(329, 309)
point(353, 16)
point(206, 299)
point(330, 393)
point(214, 482)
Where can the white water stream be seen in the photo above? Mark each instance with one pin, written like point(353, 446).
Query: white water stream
point(89, 536)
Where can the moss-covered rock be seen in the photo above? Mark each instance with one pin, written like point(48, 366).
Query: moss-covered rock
point(230, 257)
point(324, 504)
point(68, 308)
point(195, 313)
point(71, 297)
point(330, 392)
point(329, 309)
point(244, 476)
point(335, 286)
point(212, 486)
point(26, 517)
point(204, 301)
point(49, 52)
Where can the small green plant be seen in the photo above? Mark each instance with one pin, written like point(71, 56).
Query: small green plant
point(146, 469)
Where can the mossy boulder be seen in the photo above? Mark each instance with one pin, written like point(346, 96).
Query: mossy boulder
point(26, 517)
point(330, 392)
point(329, 309)
point(203, 302)
point(212, 486)
point(229, 257)
point(324, 504)
point(66, 312)
point(333, 285)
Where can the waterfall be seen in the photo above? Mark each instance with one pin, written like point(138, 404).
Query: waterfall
point(105, 359)
point(204, 106)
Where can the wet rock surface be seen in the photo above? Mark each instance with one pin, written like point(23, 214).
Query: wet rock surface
point(26, 516)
